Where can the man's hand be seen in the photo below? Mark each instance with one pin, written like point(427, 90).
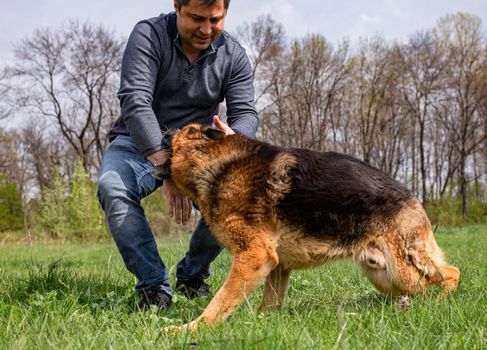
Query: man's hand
point(180, 206)
point(222, 126)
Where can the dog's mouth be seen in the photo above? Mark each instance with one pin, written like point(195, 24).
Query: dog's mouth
point(162, 172)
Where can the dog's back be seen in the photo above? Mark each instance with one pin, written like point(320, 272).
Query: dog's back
point(337, 196)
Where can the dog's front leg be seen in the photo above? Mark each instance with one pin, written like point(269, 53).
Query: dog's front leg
point(248, 269)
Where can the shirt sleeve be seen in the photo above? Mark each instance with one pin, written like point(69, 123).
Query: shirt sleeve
point(140, 66)
point(241, 113)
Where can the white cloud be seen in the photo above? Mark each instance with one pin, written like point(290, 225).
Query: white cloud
point(369, 19)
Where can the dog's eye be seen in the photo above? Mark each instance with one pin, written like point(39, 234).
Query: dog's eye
point(192, 130)
point(371, 261)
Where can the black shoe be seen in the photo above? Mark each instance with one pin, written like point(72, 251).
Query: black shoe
point(192, 289)
point(155, 297)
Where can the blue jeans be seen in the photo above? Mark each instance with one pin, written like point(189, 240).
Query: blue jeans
point(124, 179)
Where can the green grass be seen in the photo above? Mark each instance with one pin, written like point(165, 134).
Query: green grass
point(79, 296)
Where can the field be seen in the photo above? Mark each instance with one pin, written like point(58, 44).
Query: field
point(79, 296)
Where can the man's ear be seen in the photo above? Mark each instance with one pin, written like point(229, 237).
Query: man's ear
point(213, 134)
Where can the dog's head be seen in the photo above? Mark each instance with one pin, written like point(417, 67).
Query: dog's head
point(407, 265)
point(190, 149)
point(192, 134)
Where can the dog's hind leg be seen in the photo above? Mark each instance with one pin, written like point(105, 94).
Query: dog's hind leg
point(275, 288)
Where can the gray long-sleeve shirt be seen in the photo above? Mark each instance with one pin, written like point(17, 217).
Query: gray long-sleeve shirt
point(160, 89)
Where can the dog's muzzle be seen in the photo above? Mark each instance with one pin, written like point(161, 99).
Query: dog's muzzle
point(162, 172)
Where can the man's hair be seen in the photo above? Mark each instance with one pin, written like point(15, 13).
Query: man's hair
point(205, 2)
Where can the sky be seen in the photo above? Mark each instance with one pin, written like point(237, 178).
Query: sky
point(393, 19)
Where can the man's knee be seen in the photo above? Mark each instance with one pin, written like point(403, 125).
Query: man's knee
point(111, 186)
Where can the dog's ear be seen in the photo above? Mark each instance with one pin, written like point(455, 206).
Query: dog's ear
point(373, 257)
point(213, 134)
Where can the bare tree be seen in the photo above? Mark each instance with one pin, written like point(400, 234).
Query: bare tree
point(446, 156)
point(303, 92)
point(72, 74)
point(43, 149)
point(12, 163)
point(265, 41)
point(422, 73)
point(8, 156)
point(374, 78)
point(482, 98)
point(462, 38)
point(5, 91)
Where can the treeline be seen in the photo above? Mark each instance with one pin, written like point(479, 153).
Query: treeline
point(416, 109)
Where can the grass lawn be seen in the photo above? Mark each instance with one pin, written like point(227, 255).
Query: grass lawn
point(80, 296)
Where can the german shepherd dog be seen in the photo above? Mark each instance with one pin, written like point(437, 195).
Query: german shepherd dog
point(280, 209)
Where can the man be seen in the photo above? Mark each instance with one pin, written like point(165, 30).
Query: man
point(176, 69)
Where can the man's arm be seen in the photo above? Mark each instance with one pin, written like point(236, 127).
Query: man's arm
point(241, 113)
point(140, 67)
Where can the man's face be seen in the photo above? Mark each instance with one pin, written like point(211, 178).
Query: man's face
point(199, 25)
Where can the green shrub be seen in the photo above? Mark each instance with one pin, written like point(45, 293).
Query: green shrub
point(71, 210)
point(53, 212)
point(85, 214)
point(447, 212)
point(68, 211)
point(11, 213)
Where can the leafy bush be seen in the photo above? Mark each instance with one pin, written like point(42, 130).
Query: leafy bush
point(11, 214)
point(85, 214)
point(53, 212)
point(447, 212)
point(71, 210)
